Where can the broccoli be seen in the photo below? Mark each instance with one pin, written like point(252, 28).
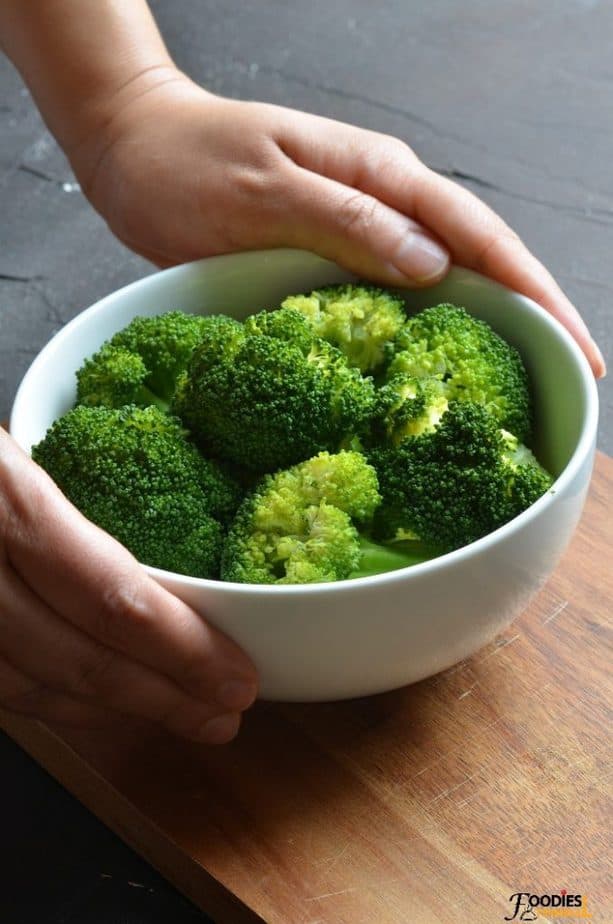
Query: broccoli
point(268, 393)
point(525, 478)
point(470, 359)
point(456, 481)
point(133, 472)
point(414, 433)
point(406, 406)
point(141, 363)
point(303, 525)
point(360, 320)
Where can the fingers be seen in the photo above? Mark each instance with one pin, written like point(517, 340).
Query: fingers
point(66, 664)
point(20, 694)
point(479, 239)
point(475, 236)
point(97, 586)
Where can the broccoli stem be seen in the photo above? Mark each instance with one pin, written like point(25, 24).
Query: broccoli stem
point(145, 397)
point(377, 558)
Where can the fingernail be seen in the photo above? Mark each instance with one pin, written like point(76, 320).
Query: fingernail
point(237, 694)
point(220, 729)
point(600, 366)
point(420, 258)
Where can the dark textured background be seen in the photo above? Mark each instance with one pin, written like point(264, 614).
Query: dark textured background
point(514, 100)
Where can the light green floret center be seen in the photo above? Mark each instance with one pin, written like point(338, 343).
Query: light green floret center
point(326, 545)
point(426, 422)
point(408, 407)
point(419, 360)
point(358, 320)
point(516, 454)
point(343, 480)
point(429, 420)
point(300, 527)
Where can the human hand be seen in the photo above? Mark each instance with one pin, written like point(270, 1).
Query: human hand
point(179, 173)
point(86, 635)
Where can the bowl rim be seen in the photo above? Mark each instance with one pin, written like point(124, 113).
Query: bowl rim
point(457, 556)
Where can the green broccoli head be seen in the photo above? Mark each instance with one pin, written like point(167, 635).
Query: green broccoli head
point(133, 472)
point(525, 478)
point(141, 363)
point(300, 525)
point(282, 324)
point(406, 406)
point(430, 460)
point(360, 320)
point(266, 394)
point(470, 359)
point(457, 482)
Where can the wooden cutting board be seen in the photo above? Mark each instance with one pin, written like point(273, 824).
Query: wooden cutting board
point(429, 804)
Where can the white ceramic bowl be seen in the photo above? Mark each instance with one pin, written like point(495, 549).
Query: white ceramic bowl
point(332, 641)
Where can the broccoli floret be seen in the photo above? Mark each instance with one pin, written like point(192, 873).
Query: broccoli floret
point(360, 320)
point(470, 359)
point(282, 324)
point(306, 525)
point(267, 394)
point(133, 472)
point(406, 406)
point(141, 363)
point(457, 482)
point(526, 479)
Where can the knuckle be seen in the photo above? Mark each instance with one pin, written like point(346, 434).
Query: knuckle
point(20, 693)
point(388, 156)
point(197, 653)
point(24, 699)
point(260, 178)
point(357, 215)
point(195, 674)
point(93, 675)
point(251, 182)
point(122, 610)
point(500, 236)
point(394, 149)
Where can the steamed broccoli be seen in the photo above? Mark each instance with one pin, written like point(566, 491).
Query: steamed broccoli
point(423, 458)
point(303, 525)
point(470, 359)
point(406, 406)
point(456, 481)
point(268, 393)
point(360, 320)
point(141, 363)
point(133, 473)
point(524, 477)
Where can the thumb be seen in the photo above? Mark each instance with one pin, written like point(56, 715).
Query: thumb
point(359, 232)
point(90, 580)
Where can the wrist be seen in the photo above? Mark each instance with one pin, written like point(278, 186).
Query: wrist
point(84, 60)
point(103, 122)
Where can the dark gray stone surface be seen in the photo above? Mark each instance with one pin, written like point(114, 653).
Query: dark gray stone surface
point(515, 100)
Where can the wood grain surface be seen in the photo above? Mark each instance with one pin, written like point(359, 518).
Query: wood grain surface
point(429, 805)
